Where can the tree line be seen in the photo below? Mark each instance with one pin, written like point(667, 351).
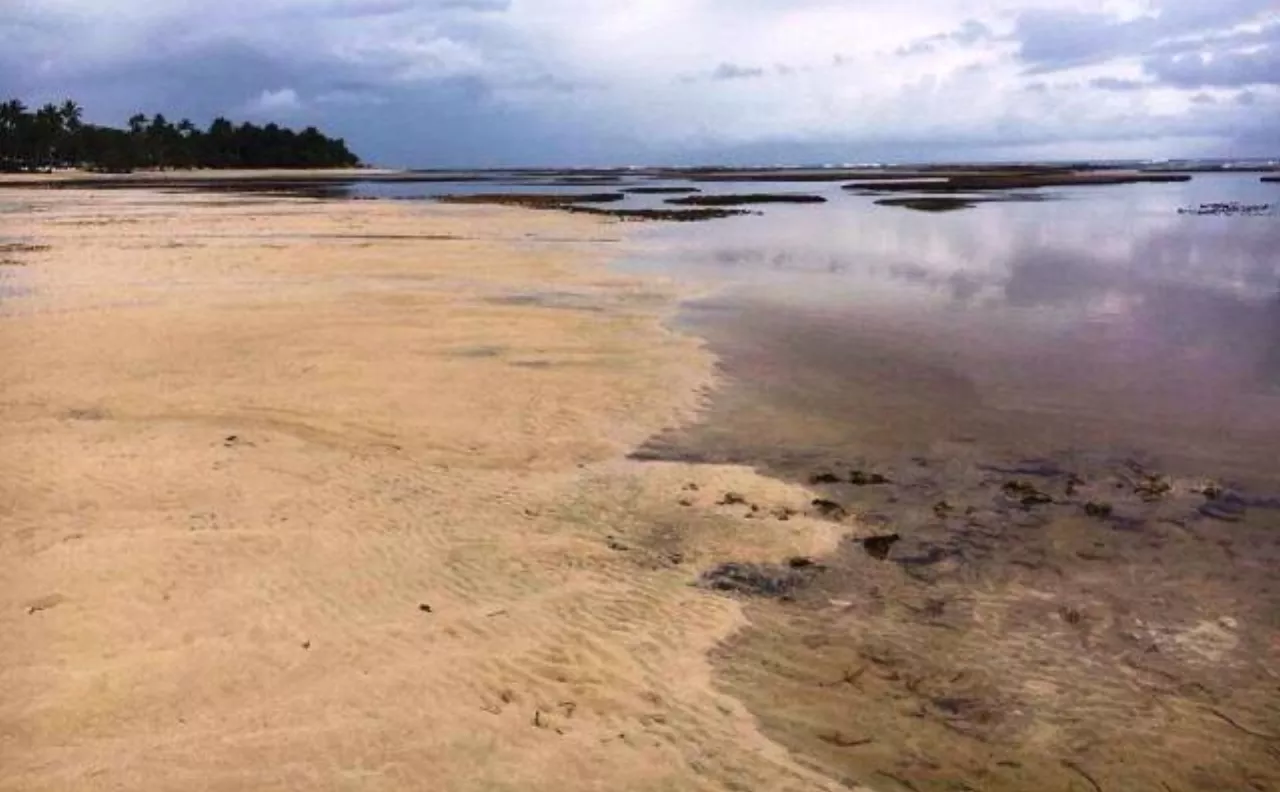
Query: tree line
point(56, 136)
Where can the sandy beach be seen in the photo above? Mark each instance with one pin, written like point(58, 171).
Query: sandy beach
point(334, 495)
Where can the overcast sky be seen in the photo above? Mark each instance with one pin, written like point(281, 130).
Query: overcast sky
point(502, 82)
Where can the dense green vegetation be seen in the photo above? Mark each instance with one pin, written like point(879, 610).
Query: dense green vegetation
point(56, 136)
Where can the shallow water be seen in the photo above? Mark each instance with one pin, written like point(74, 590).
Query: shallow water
point(1075, 408)
point(1101, 320)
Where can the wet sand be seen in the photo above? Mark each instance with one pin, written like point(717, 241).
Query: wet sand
point(1054, 575)
point(334, 495)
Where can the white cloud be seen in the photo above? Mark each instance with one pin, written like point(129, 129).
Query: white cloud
point(639, 75)
point(283, 101)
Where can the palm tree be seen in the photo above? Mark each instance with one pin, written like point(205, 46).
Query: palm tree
point(48, 132)
point(12, 112)
point(138, 133)
point(70, 147)
point(13, 134)
point(186, 144)
point(72, 115)
point(160, 136)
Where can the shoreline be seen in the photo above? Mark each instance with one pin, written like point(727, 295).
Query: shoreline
point(342, 490)
point(211, 179)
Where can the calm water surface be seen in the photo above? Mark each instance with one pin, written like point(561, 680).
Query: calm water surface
point(1099, 319)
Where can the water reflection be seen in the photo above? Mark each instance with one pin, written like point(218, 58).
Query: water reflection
point(1101, 319)
point(1120, 256)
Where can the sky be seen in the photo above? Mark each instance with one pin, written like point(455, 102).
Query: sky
point(453, 83)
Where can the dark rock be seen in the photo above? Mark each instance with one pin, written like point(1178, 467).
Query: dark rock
point(732, 499)
point(424, 607)
point(784, 513)
point(662, 190)
point(1026, 493)
point(824, 478)
point(1098, 509)
point(673, 215)
point(800, 562)
point(927, 204)
point(749, 198)
point(840, 740)
point(829, 509)
point(534, 200)
point(878, 547)
point(761, 580)
point(859, 478)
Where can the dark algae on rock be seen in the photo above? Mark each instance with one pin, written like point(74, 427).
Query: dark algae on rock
point(929, 204)
point(534, 200)
point(745, 199)
point(934, 653)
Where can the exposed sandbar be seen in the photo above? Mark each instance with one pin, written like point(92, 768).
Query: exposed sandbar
point(302, 494)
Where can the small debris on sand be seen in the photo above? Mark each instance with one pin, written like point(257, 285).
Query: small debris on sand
point(44, 603)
